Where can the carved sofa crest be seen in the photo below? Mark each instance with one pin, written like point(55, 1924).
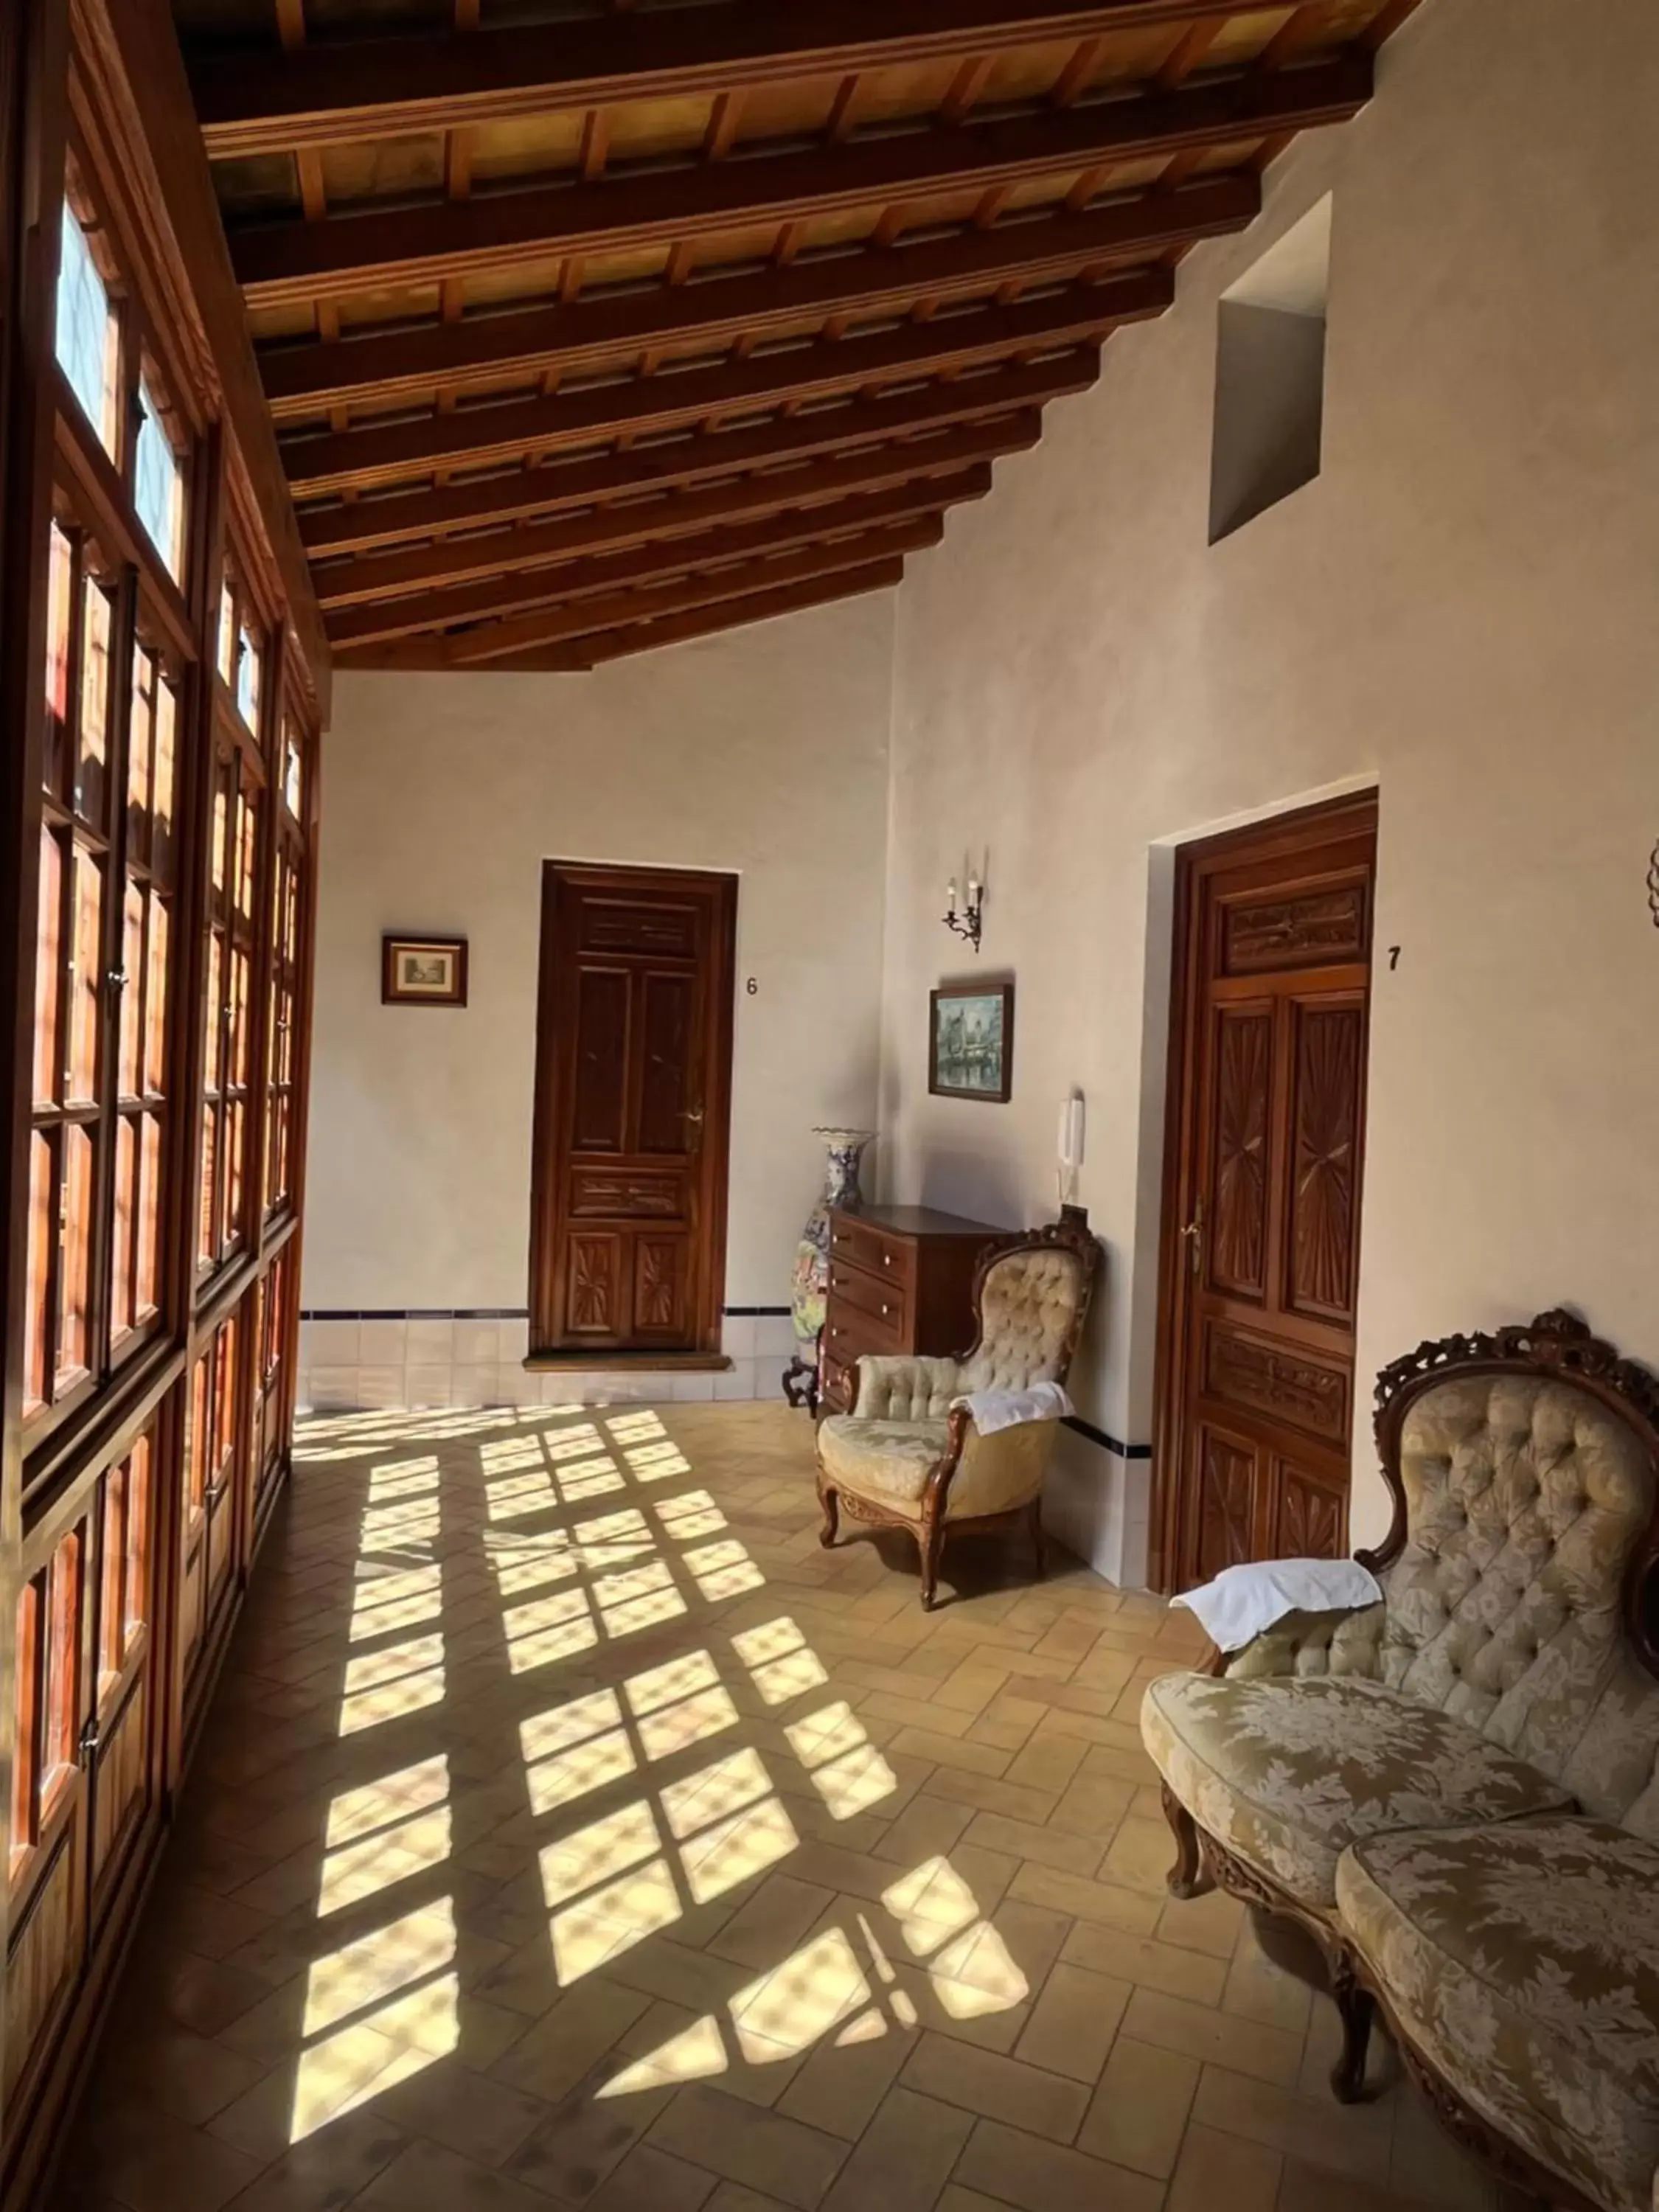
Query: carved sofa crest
point(1457, 1790)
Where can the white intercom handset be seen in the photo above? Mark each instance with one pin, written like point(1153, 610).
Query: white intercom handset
point(1070, 1147)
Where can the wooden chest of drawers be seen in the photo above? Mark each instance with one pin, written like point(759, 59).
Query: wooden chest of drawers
point(901, 1280)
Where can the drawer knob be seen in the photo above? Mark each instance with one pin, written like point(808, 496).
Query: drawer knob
point(885, 1310)
point(886, 1259)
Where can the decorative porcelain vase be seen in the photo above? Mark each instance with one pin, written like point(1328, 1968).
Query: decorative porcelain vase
point(845, 1148)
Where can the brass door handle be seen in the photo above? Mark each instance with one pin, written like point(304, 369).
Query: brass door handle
point(1193, 1230)
point(693, 1115)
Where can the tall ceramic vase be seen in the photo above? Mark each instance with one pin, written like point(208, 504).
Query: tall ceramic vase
point(845, 1151)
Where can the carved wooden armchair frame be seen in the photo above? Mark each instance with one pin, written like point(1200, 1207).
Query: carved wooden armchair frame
point(929, 1525)
point(1557, 1345)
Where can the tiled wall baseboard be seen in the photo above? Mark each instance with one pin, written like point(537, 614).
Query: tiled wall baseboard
point(381, 1362)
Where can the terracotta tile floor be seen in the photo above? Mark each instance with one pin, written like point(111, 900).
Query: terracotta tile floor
point(571, 1829)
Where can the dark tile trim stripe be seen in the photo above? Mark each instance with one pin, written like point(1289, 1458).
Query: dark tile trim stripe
point(1107, 1444)
point(480, 1313)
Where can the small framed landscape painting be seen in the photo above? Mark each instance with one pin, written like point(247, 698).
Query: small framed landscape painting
point(424, 971)
point(970, 1048)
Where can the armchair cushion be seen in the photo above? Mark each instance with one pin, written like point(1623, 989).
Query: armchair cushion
point(1029, 1303)
point(1287, 1774)
point(1523, 1961)
point(890, 1462)
point(906, 1390)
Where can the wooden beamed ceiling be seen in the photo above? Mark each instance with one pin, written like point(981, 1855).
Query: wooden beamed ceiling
point(586, 335)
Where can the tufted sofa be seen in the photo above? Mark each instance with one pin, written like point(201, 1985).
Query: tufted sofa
point(908, 1456)
point(1456, 1790)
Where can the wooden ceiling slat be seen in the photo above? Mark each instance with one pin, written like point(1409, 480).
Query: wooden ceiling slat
point(571, 339)
point(479, 435)
point(294, 262)
point(706, 622)
point(640, 522)
point(685, 461)
point(394, 87)
point(502, 595)
point(555, 625)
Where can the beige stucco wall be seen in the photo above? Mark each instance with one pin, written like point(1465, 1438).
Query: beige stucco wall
point(763, 752)
point(1463, 608)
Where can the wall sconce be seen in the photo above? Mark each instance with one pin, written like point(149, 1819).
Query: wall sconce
point(1653, 886)
point(968, 923)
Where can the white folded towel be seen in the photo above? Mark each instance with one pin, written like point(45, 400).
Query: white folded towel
point(1242, 1601)
point(992, 1410)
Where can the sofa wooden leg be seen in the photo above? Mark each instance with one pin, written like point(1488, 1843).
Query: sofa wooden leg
point(831, 1505)
point(1034, 1525)
point(1356, 2007)
point(1187, 1877)
point(930, 1541)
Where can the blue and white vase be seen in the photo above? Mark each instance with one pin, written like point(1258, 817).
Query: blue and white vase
point(845, 1149)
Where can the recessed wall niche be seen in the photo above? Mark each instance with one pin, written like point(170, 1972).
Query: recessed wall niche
point(1270, 375)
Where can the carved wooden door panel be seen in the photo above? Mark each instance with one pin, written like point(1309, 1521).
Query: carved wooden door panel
point(633, 1085)
point(1261, 1243)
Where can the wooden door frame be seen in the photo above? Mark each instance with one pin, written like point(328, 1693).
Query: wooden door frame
point(1271, 837)
point(715, 1186)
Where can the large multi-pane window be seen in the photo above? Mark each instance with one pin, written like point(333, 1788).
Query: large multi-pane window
point(232, 896)
point(284, 984)
point(106, 960)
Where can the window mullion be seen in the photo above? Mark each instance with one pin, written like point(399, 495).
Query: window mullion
point(117, 724)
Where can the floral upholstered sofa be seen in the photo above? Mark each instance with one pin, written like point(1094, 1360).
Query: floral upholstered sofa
point(1457, 1790)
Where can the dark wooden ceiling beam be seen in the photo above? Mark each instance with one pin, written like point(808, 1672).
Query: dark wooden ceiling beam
point(294, 262)
point(501, 595)
point(682, 461)
point(669, 629)
point(807, 486)
point(340, 90)
point(724, 615)
point(479, 435)
point(556, 626)
point(574, 337)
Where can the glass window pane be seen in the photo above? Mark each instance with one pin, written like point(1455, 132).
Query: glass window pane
point(74, 1348)
point(122, 1313)
point(293, 789)
point(215, 1010)
point(158, 484)
point(147, 1295)
point(156, 999)
point(207, 1243)
point(87, 341)
point(248, 673)
point(160, 848)
point(48, 978)
point(132, 990)
point(90, 781)
point(227, 629)
point(60, 595)
point(81, 1073)
point(141, 741)
point(38, 1302)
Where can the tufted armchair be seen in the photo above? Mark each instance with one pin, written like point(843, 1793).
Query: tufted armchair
point(909, 1455)
point(1457, 1789)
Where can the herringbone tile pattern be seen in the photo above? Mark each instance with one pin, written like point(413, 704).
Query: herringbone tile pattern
point(571, 1829)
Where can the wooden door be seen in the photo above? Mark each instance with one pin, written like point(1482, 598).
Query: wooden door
point(633, 1089)
point(1262, 1191)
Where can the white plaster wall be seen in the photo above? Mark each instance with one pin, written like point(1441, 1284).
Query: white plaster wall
point(763, 752)
point(1463, 608)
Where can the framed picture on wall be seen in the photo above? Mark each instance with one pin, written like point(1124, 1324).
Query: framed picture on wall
point(423, 971)
point(971, 1043)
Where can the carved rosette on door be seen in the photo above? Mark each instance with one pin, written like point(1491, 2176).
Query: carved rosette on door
point(1267, 1120)
point(633, 1080)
